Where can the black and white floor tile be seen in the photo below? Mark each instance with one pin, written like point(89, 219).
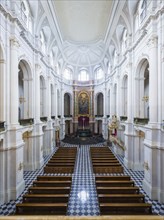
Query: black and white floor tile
point(83, 196)
point(29, 177)
point(138, 177)
point(83, 199)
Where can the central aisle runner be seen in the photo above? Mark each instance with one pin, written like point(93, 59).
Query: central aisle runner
point(83, 197)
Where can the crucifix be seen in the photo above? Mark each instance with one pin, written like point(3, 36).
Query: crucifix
point(83, 122)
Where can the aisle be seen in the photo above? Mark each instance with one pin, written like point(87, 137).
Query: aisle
point(83, 198)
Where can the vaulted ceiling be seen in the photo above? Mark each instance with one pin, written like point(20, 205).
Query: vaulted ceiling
point(83, 21)
point(84, 33)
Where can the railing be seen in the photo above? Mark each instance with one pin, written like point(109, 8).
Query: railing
point(28, 121)
point(142, 121)
point(43, 119)
point(2, 126)
point(68, 116)
point(98, 115)
point(115, 140)
point(123, 118)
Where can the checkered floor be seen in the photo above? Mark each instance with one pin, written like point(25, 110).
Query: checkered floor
point(83, 197)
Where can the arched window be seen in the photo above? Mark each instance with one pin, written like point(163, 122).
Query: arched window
point(109, 68)
point(143, 10)
point(115, 58)
point(42, 42)
point(51, 59)
point(83, 75)
point(23, 12)
point(26, 15)
point(67, 74)
point(57, 68)
point(124, 40)
point(99, 73)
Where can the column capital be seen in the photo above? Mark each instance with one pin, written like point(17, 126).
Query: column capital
point(153, 41)
point(14, 43)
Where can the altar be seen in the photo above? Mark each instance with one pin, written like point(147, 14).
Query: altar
point(84, 133)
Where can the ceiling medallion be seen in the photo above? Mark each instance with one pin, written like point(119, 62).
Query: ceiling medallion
point(83, 49)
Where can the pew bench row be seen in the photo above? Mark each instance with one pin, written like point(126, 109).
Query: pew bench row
point(49, 195)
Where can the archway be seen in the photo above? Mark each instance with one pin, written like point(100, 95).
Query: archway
point(142, 90)
point(25, 90)
point(52, 102)
point(100, 105)
point(124, 95)
point(42, 97)
point(67, 105)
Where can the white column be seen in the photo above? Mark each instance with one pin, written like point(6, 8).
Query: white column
point(104, 121)
point(153, 79)
point(37, 93)
point(162, 69)
point(14, 101)
point(111, 101)
point(62, 102)
point(56, 102)
point(105, 101)
point(2, 91)
point(118, 106)
point(62, 122)
point(53, 102)
point(130, 91)
point(49, 98)
point(141, 102)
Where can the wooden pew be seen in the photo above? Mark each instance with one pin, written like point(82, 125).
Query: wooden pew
point(125, 209)
point(63, 157)
point(121, 198)
point(97, 149)
point(49, 190)
point(62, 169)
point(95, 160)
point(41, 209)
point(112, 169)
point(103, 156)
point(54, 183)
point(124, 177)
point(114, 183)
point(46, 198)
point(106, 163)
point(101, 152)
point(60, 164)
point(117, 190)
point(54, 178)
point(61, 160)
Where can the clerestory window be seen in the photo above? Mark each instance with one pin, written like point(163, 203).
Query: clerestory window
point(83, 75)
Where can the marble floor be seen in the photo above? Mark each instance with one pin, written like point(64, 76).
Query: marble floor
point(83, 197)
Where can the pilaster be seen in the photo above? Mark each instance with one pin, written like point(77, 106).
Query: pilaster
point(14, 101)
point(153, 79)
point(2, 90)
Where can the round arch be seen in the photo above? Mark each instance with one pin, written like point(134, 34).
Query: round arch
point(142, 89)
point(25, 90)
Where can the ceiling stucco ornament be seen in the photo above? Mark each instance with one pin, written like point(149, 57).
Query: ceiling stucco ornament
point(83, 49)
point(84, 55)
